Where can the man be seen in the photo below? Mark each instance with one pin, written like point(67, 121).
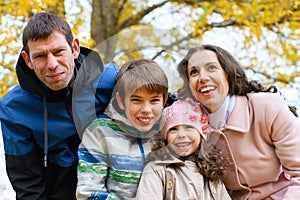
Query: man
point(39, 122)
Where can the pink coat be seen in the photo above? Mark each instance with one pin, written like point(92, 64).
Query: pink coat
point(263, 137)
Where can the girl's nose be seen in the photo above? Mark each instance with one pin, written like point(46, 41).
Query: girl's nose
point(181, 133)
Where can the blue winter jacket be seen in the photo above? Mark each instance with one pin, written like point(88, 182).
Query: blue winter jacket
point(41, 128)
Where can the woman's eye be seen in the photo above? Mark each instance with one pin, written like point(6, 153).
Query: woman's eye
point(212, 67)
point(193, 72)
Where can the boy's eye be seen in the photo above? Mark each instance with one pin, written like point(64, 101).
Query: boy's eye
point(156, 100)
point(135, 100)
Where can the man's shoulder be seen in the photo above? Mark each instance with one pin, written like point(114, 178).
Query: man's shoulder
point(16, 94)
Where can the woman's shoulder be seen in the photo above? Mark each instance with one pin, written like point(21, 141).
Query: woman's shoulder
point(267, 103)
point(266, 98)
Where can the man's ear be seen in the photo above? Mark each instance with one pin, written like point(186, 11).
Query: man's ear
point(27, 59)
point(76, 47)
point(119, 100)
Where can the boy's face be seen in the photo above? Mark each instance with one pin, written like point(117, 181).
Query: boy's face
point(183, 139)
point(142, 108)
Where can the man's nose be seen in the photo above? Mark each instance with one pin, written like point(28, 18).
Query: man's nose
point(52, 62)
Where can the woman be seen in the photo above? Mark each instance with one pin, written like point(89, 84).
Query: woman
point(260, 134)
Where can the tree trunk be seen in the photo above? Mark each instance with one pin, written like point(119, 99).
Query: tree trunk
point(103, 26)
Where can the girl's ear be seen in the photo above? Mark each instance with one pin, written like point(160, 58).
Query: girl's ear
point(119, 101)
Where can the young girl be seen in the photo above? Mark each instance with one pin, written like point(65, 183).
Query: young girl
point(186, 167)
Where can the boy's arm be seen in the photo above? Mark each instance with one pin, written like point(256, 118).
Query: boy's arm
point(93, 167)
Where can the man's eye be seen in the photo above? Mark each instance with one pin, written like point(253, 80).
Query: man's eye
point(37, 56)
point(59, 51)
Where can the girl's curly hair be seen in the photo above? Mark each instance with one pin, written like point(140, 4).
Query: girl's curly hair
point(212, 162)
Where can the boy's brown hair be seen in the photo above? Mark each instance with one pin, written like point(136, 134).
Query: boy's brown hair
point(138, 74)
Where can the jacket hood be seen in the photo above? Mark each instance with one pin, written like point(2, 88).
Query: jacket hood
point(30, 82)
point(120, 118)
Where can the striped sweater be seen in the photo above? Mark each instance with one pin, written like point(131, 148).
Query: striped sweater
point(110, 161)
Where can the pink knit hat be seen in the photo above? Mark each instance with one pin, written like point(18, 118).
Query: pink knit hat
point(184, 113)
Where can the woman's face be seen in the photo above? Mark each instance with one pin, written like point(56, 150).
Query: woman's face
point(207, 79)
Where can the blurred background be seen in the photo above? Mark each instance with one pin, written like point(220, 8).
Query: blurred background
point(264, 35)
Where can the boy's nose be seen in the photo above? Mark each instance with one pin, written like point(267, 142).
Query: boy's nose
point(146, 107)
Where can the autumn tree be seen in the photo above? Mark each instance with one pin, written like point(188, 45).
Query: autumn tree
point(164, 30)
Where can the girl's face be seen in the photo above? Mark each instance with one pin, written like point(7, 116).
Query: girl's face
point(207, 79)
point(142, 108)
point(184, 140)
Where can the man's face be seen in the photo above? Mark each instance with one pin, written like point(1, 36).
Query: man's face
point(52, 60)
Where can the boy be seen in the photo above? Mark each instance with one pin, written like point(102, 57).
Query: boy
point(112, 153)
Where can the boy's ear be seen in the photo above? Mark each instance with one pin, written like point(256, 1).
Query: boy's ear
point(119, 101)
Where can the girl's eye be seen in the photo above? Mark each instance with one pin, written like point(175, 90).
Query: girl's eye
point(187, 127)
point(173, 129)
